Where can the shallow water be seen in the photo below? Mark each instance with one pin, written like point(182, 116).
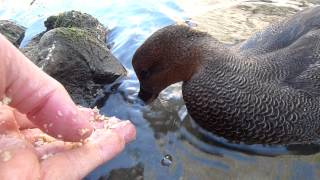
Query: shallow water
point(164, 128)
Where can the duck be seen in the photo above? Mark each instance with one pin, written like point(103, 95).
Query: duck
point(264, 90)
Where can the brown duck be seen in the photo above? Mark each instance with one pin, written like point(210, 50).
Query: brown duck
point(265, 90)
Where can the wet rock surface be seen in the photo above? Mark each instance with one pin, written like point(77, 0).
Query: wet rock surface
point(76, 56)
point(133, 173)
point(12, 31)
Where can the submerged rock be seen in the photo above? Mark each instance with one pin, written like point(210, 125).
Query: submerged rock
point(77, 58)
point(133, 173)
point(12, 31)
point(80, 20)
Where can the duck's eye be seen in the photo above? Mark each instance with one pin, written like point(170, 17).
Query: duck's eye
point(144, 74)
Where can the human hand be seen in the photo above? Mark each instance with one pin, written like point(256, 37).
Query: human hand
point(38, 101)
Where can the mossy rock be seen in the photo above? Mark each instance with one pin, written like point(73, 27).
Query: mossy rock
point(76, 19)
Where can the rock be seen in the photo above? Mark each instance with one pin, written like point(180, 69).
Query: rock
point(31, 49)
point(73, 51)
point(12, 31)
point(133, 173)
point(77, 59)
point(80, 20)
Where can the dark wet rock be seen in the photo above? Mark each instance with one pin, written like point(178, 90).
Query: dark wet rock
point(12, 31)
point(79, 20)
point(77, 59)
point(133, 173)
point(31, 49)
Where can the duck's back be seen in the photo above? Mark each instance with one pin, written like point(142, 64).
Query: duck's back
point(283, 33)
point(270, 92)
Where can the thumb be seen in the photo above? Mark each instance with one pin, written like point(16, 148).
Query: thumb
point(44, 100)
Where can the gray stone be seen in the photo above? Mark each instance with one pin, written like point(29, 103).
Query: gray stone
point(12, 31)
point(77, 59)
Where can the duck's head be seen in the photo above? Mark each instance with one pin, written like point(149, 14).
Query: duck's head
point(170, 55)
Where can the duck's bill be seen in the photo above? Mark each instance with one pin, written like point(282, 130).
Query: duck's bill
point(147, 96)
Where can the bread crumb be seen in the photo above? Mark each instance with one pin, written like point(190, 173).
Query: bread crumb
point(76, 145)
point(43, 140)
point(95, 110)
point(83, 131)
point(6, 156)
point(46, 156)
point(5, 100)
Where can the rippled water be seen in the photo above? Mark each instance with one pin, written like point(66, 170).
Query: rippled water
point(164, 128)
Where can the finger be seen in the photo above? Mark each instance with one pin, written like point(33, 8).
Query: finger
point(23, 121)
point(125, 129)
point(79, 162)
point(47, 146)
point(8, 124)
point(17, 158)
point(33, 135)
point(42, 98)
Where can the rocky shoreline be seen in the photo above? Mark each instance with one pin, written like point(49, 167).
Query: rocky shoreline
point(72, 50)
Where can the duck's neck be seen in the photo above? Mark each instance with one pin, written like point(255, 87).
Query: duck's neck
point(198, 53)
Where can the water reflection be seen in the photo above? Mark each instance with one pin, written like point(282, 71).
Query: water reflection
point(164, 127)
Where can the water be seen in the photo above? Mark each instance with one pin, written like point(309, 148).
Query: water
point(166, 160)
point(164, 128)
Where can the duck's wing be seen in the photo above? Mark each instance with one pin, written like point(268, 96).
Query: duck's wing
point(308, 81)
point(301, 63)
point(282, 34)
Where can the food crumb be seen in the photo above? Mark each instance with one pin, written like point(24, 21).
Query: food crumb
point(46, 156)
point(73, 145)
point(83, 131)
point(95, 110)
point(6, 156)
point(5, 100)
point(43, 140)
